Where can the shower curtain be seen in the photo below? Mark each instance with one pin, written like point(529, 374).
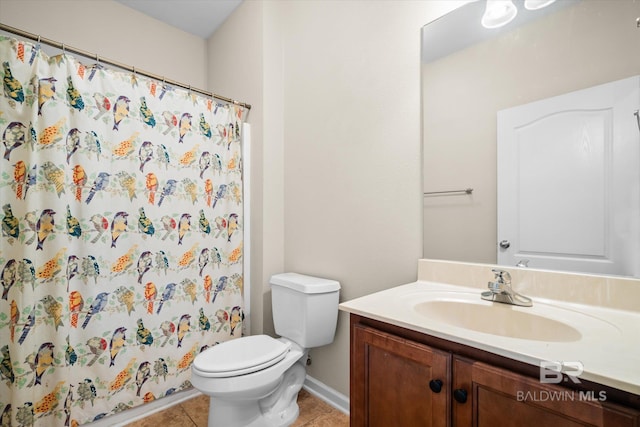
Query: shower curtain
point(121, 248)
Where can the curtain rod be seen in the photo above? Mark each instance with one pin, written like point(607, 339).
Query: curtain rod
point(95, 57)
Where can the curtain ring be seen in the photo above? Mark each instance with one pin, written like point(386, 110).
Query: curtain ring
point(63, 49)
point(38, 39)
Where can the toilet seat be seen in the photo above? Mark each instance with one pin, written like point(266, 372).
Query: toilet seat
point(241, 356)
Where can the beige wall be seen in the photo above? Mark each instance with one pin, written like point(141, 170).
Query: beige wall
point(352, 151)
point(338, 186)
point(236, 66)
point(336, 147)
point(584, 45)
point(115, 32)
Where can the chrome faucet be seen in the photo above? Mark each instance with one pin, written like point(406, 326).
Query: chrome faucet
point(500, 290)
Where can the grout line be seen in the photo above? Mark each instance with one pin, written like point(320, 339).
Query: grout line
point(193, 423)
point(181, 406)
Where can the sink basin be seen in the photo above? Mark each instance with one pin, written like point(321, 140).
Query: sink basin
point(542, 322)
point(498, 319)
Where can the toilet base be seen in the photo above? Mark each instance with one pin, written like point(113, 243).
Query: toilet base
point(234, 414)
point(279, 409)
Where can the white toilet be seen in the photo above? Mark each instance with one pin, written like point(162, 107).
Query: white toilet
point(254, 380)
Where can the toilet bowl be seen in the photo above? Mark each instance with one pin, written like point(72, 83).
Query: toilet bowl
point(254, 381)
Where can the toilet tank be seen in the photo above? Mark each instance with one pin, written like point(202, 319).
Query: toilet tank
point(305, 308)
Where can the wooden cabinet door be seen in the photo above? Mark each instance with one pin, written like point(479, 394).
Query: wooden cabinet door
point(496, 397)
point(390, 381)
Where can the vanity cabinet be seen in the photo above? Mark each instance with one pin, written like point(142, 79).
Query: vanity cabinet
point(392, 374)
point(403, 378)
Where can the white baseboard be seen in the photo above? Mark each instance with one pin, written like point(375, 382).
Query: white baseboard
point(327, 394)
point(134, 414)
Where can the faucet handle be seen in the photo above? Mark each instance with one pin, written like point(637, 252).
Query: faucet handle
point(502, 276)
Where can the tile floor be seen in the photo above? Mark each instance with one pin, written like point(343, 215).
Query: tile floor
point(194, 413)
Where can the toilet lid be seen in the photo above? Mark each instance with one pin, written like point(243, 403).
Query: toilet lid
point(241, 356)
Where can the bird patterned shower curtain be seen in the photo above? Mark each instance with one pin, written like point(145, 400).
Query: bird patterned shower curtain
point(121, 248)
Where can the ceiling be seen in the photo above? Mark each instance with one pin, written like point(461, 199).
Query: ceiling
point(197, 17)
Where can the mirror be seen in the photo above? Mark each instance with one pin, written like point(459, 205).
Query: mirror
point(568, 46)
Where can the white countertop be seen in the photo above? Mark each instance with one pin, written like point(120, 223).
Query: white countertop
point(608, 345)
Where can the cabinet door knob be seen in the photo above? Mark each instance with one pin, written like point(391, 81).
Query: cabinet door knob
point(435, 386)
point(460, 395)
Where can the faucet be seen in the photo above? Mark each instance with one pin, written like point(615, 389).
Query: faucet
point(500, 290)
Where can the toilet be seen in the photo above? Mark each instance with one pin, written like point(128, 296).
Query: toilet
point(254, 381)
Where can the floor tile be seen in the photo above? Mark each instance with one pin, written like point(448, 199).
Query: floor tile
point(310, 408)
point(197, 409)
point(174, 416)
point(195, 413)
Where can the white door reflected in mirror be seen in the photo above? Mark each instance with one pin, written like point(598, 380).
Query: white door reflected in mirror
point(569, 181)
